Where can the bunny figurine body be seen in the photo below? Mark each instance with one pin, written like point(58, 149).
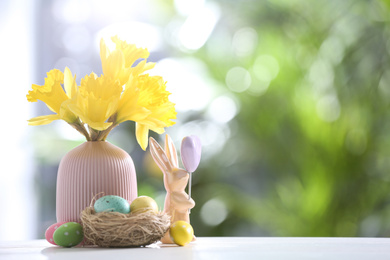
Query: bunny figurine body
point(177, 204)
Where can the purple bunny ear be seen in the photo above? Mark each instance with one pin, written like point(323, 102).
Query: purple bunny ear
point(191, 148)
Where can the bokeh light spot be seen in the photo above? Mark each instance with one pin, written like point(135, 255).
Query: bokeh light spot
point(213, 212)
point(188, 82)
point(238, 79)
point(328, 108)
point(77, 39)
point(266, 68)
point(72, 11)
point(259, 88)
point(332, 49)
point(198, 27)
point(321, 75)
point(222, 109)
point(141, 34)
point(186, 7)
point(245, 41)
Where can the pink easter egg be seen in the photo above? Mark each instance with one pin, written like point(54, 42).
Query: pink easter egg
point(50, 231)
point(191, 148)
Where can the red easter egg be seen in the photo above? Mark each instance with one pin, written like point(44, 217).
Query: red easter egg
point(50, 231)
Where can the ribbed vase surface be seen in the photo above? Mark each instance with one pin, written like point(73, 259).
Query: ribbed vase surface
point(89, 169)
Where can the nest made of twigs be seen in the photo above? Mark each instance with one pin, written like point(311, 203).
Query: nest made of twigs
point(114, 229)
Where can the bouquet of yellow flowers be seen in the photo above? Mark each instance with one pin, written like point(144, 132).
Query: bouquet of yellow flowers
point(124, 92)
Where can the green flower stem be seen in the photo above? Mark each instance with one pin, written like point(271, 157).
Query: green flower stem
point(80, 128)
point(103, 134)
point(94, 134)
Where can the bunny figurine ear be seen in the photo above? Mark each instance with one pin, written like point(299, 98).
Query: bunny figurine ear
point(159, 156)
point(190, 152)
point(170, 151)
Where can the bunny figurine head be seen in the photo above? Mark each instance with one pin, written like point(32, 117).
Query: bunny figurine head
point(175, 179)
point(177, 203)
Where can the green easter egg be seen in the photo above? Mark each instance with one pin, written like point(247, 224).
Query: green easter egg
point(69, 234)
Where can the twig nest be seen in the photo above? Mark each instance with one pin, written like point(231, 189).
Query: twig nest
point(114, 229)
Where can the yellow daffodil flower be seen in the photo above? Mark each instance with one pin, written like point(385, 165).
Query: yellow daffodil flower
point(146, 102)
point(97, 101)
point(121, 94)
point(118, 63)
point(54, 96)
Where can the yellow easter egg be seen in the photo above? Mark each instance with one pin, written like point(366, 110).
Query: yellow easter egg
point(181, 233)
point(142, 204)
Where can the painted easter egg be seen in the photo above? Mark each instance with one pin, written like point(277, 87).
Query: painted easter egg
point(181, 233)
point(50, 231)
point(144, 203)
point(191, 148)
point(112, 203)
point(68, 234)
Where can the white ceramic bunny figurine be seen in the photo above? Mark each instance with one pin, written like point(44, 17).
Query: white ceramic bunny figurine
point(177, 204)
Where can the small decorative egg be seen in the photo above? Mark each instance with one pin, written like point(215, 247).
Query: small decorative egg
point(68, 234)
point(144, 203)
point(181, 233)
point(50, 231)
point(111, 203)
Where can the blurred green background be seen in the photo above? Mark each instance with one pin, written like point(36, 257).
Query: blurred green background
point(290, 99)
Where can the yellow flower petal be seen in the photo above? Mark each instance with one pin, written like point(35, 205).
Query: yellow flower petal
point(118, 63)
point(69, 83)
point(97, 101)
point(115, 67)
point(43, 120)
point(130, 51)
point(145, 101)
point(154, 97)
point(66, 113)
point(51, 93)
point(142, 133)
point(128, 108)
point(157, 130)
point(54, 96)
point(141, 67)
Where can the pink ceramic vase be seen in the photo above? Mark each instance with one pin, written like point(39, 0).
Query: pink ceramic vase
point(89, 169)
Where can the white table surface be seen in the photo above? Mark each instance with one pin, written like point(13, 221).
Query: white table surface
point(238, 248)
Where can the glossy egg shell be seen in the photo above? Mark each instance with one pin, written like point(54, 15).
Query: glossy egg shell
point(143, 204)
point(69, 234)
point(112, 203)
point(50, 231)
point(181, 233)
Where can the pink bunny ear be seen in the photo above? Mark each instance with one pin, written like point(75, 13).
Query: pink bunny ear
point(170, 150)
point(159, 156)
